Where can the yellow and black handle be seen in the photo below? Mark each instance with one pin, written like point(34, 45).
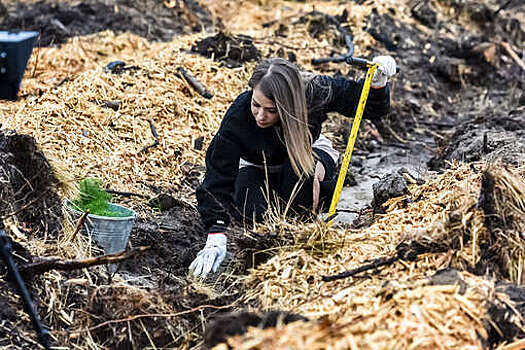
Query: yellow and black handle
point(371, 68)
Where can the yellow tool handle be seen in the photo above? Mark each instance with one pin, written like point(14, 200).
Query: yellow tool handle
point(351, 140)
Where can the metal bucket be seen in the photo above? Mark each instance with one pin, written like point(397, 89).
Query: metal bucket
point(110, 233)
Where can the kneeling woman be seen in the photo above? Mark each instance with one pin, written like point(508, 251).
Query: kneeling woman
point(270, 142)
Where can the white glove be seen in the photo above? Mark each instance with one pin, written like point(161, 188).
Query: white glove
point(386, 69)
point(211, 256)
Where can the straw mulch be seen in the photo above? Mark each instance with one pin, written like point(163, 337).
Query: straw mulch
point(66, 92)
point(63, 105)
point(397, 306)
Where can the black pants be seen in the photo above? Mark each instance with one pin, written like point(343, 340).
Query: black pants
point(252, 190)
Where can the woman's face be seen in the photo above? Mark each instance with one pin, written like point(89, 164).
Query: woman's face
point(263, 109)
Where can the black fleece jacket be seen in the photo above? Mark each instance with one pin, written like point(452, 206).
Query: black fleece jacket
point(240, 137)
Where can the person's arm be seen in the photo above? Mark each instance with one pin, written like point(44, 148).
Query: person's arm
point(346, 93)
point(215, 196)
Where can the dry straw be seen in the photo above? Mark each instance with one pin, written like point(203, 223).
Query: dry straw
point(63, 106)
point(65, 91)
point(397, 307)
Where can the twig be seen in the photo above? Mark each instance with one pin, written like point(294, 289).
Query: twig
point(80, 223)
point(36, 59)
point(375, 264)
point(395, 135)
point(195, 83)
point(502, 7)
point(134, 317)
point(24, 207)
point(331, 217)
point(127, 194)
point(355, 211)
point(398, 145)
point(61, 82)
point(155, 136)
point(513, 54)
point(45, 264)
point(439, 124)
point(405, 251)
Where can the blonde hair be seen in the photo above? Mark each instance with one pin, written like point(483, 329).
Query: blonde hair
point(281, 82)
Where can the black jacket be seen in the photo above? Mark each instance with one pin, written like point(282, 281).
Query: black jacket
point(240, 137)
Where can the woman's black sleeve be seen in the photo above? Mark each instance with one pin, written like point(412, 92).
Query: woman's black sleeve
point(215, 194)
point(345, 98)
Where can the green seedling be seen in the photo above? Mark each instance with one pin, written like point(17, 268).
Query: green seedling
point(94, 199)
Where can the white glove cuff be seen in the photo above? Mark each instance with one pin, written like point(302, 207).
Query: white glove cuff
point(216, 240)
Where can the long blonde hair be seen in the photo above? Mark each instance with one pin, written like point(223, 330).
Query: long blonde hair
point(281, 82)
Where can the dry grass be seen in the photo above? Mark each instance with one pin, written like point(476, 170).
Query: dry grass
point(394, 307)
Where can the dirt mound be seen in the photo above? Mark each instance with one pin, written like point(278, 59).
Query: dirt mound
point(28, 201)
point(175, 236)
point(489, 138)
point(28, 193)
point(227, 325)
point(57, 20)
point(232, 49)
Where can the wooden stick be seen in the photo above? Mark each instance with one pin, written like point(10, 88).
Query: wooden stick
point(513, 54)
point(375, 264)
point(127, 194)
point(80, 223)
point(502, 7)
point(195, 83)
point(155, 136)
point(44, 264)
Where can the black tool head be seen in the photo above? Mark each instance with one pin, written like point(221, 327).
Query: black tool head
point(15, 50)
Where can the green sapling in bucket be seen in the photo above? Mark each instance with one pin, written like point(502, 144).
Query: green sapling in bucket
point(108, 224)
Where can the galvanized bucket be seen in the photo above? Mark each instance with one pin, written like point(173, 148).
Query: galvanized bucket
point(110, 233)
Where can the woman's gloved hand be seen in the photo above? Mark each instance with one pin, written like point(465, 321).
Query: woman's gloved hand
point(211, 256)
point(387, 68)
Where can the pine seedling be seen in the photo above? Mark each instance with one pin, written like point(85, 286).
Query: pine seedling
point(94, 199)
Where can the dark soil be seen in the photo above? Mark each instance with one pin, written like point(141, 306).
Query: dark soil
point(57, 21)
point(431, 90)
point(227, 325)
point(175, 236)
point(27, 194)
point(505, 317)
point(492, 137)
point(233, 50)
point(28, 186)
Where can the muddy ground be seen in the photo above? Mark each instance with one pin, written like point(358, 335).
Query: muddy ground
point(59, 20)
point(460, 97)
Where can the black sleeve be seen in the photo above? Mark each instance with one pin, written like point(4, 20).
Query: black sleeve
point(345, 97)
point(215, 194)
